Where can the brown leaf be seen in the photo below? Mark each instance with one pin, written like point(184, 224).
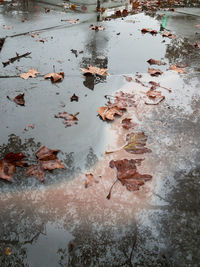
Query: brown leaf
point(175, 68)
point(8, 165)
point(168, 34)
point(135, 4)
point(44, 153)
point(54, 76)
point(154, 72)
point(69, 119)
point(109, 112)
point(128, 175)
point(47, 10)
point(146, 30)
point(74, 98)
point(41, 40)
point(128, 79)
point(33, 35)
point(7, 251)
point(136, 143)
point(154, 94)
point(36, 171)
point(97, 28)
point(90, 180)
point(31, 73)
point(19, 99)
point(95, 71)
point(155, 62)
point(52, 164)
point(127, 124)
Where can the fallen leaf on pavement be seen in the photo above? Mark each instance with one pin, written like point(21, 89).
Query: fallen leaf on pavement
point(72, 21)
point(145, 30)
point(36, 171)
point(90, 180)
point(109, 112)
point(54, 76)
point(44, 153)
point(154, 72)
point(97, 28)
point(32, 126)
point(136, 143)
point(74, 98)
point(127, 124)
point(175, 68)
point(33, 35)
point(168, 34)
point(128, 175)
point(7, 251)
point(155, 62)
point(19, 99)
point(155, 84)
point(8, 165)
point(41, 40)
point(31, 73)
point(69, 119)
point(95, 71)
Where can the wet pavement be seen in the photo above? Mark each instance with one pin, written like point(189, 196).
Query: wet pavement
point(60, 223)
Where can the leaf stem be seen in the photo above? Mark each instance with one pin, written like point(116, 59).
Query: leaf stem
point(109, 194)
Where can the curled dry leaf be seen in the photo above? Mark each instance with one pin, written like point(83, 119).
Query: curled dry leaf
point(47, 160)
point(74, 98)
point(154, 72)
point(97, 28)
point(146, 30)
point(54, 76)
point(168, 34)
point(128, 175)
point(95, 71)
point(69, 119)
point(128, 124)
point(19, 99)
point(109, 112)
point(31, 73)
point(90, 180)
point(8, 165)
point(155, 62)
point(177, 69)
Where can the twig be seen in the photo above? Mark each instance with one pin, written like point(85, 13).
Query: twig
point(13, 59)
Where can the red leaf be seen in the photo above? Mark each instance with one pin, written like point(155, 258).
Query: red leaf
point(69, 119)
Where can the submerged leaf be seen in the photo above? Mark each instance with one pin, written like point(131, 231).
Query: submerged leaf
point(69, 119)
point(136, 143)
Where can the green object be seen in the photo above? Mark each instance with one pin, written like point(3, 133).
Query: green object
point(164, 22)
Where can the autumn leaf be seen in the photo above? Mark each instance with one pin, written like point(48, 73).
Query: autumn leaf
point(128, 124)
point(168, 34)
point(128, 175)
point(109, 112)
point(32, 126)
point(128, 79)
point(7, 251)
point(90, 180)
point(155, 72)
point(146, 30)
point(136, 143)
point(154, 94)
point(72, 21)
point(54, 76)
point(19, 99)
point(31, 73)
point(47, 160)
point(155, 62)
point(69, 119)
point(74, 98)
point(33, 35)
point(135, 4)
point(97, 28)
point(6, 27)
point(175, 68)
point(95, 71)
point(8, 165)
point(155, 84)
point(41, 40)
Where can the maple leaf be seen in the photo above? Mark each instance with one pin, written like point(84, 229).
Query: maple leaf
point(128, 175)
point(47, 160)
point(31, 73)
point(8, 165)
point(95, 71)
point(146, 30)
point(168, 34)
point(74, 98)
point(177, 69)
point(136, 143)
point(69, 119)
point(127, 124)
point(90, 180)
point(54, 76)
point(154, 72)
point(155, 62)
point(19, 99)
point(109, 112)
point(97, 28)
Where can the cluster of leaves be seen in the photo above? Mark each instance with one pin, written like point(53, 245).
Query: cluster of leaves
point(46, 160)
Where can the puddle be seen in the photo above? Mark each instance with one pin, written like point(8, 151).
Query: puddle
point(61, 223)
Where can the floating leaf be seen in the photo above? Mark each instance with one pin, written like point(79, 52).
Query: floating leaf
point(146, 30)
point(168, 34)
point(109, 112)
point(31, 73)
point(155, 62)
point(175, 68)
point(69, 119)
point(155, 72)
point(97, 28)
point(7, 251)
point(54, 76)
point(19, 99)
point(74, 98)
point(95, 71)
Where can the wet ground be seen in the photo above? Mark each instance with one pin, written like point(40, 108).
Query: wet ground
point(60, 223)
